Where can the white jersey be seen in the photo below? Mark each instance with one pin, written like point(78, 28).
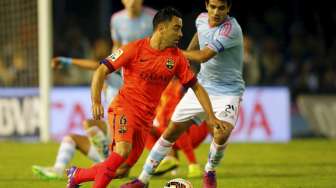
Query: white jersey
point(125, 29)
point(222, 74)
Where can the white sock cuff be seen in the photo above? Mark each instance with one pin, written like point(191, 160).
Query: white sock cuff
point(68, 141)
point(144, 177)
point(165, 143)
point(217, 146)
point(92, 130)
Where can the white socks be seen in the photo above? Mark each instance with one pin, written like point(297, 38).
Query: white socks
point(65, 153)
point(158, 152)
point(98, 140)
point(216, 153)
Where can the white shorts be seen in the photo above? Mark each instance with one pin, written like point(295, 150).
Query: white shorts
point(225, 107)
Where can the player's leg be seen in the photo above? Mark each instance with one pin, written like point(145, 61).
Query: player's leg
point(185, 110)
point(103, 173)
point(109, 167)
point(152, 137)
point(158, 152)
point(97, 134)
point(170, 162)
point(185, 142)
point(137, 149)
point(189, 141)
point(123, 171)
point(85, 147)
point(198, 133)
point(64, 155)
point(226, 108)
point(161, 148)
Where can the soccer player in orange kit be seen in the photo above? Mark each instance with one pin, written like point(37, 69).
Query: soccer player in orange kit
point(148, 66)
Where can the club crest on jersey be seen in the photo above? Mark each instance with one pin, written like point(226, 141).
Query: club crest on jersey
point(115, 55)
point(170, 63)
point(122, 124)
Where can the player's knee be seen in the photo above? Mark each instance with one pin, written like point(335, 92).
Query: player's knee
point(122, 171)
point(69, 138)
point(173, 132)
point(223, 134)
point(86, 124)
point(123, 148)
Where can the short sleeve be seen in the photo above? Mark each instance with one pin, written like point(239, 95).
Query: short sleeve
point(115, 35)
point(227, 37)
point(184, 72)
point(201, 19)
point(120, 57)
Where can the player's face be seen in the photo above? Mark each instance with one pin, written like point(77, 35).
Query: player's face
point(172, 32)
point(217, 11)
point(133, 6)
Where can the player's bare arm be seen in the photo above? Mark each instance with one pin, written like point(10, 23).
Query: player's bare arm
point(59, 62)
point(193, 45)
point(204, 100)
point(200, 56)
point(96, 89)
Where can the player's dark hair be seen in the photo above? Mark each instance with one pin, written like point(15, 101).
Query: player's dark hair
point(164, 15)
point(229, 2)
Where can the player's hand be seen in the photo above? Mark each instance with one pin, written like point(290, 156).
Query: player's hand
point(97, 111)
point(56, 63)
point(217, 124)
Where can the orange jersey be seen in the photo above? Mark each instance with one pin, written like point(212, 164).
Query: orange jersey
point(146, 73)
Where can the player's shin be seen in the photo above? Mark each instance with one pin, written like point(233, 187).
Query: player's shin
point(94, 155)
point(65, 153)
point(98, 140)
point(217, 147)
point(216, 153)
point(108, 170)
point(158, 152)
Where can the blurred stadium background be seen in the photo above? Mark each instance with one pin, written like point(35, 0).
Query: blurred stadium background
point(290, 71)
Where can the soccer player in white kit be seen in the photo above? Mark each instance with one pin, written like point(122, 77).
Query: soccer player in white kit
point(133, 22)
point(218, 46)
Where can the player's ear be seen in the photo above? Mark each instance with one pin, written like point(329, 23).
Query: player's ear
point(161, 27)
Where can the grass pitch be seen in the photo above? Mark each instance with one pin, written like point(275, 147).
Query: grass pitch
point(300, 163)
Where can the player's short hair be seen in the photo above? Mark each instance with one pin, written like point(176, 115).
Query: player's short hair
point(164, 15)
point(229, 2)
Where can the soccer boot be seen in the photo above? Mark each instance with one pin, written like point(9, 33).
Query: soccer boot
point(167, 164)
point(194, 171)
point(134, 184)
point(47, 173)
point(71, 175)
point(209, 180)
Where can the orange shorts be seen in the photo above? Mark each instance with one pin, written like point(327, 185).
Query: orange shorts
point(123, 129)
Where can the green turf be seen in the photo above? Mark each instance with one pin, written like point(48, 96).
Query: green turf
point(300, 163)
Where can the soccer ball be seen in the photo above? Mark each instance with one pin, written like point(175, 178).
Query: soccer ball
point(178, 183)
